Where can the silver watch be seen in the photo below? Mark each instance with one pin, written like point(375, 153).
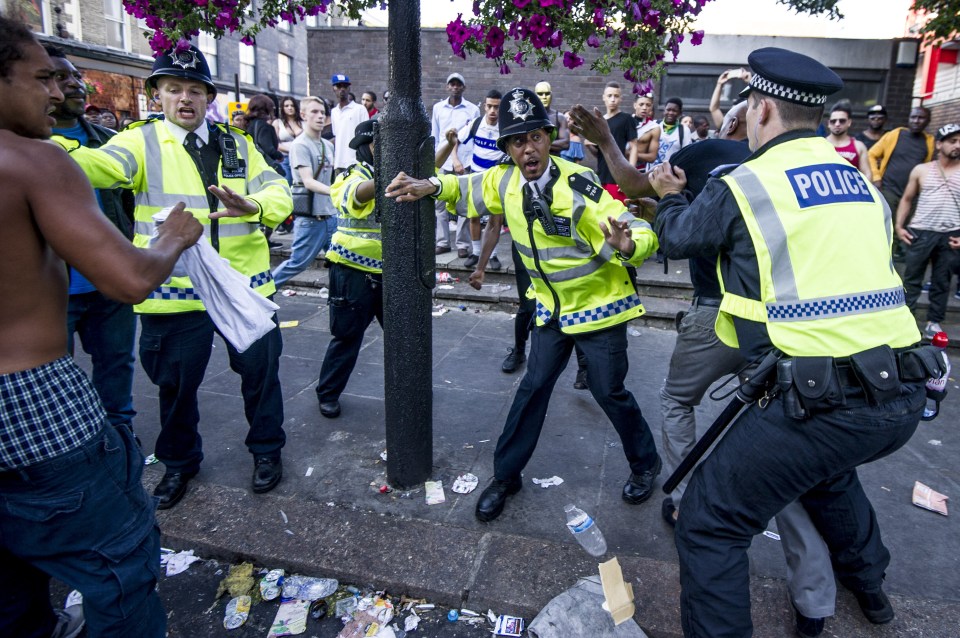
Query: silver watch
point(437, 184)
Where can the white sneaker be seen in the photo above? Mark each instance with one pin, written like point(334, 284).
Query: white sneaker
point(932, 329)
point(69, 622)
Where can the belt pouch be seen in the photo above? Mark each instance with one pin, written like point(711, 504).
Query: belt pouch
point(876, 369)
point(817, 383)
point(792, 406)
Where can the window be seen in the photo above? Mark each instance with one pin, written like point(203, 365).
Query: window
point(208, 46)
point(285, 65)
point(115, 19)
point(248, 64)
point(313, 21)
point(284, 26)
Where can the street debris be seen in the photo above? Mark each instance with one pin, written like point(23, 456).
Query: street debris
point(634, 332)
point(324, 293)
point(465, 483)
point(617, 593)
point(291, 619)
point(178, 563)
point(284, 517)
point(445, 287)
point(410, 622)
point(439, 311)
point(289, 324)
point(434, 492)
point(308, 588)
point(548, 482)
point(271, 583)
point(237, 612)
point(383, 455)
point(935, 442)
point(929, 499)
point(772, 535)
point(151, 460)
point(309, 471)
point(238, 582)
point(444, 277)
point(385, 489)
point(508, 626)
point(289, 293)
point(579, 611)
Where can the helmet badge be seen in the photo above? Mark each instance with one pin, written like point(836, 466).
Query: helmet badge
point(185, 59)
point(520, 106)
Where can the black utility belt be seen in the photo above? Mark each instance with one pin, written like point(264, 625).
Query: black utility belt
point(712, 302)
point(819, 384)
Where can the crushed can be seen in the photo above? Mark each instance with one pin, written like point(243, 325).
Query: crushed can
point(271, 584)
point(237, 612)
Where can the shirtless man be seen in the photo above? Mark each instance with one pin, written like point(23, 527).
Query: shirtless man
point(648, 131)
point(71, 502)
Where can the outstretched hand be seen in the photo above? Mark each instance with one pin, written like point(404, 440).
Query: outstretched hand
point(236, 204)
point(619, 235)
point(667, 179)
point(589, 124)
point(404, 188)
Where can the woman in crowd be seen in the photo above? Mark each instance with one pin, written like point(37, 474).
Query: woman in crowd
point(288, 126)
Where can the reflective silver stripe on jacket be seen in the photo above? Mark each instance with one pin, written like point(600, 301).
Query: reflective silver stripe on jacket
point(789, 306)
point(152, 193)
point(225, 230)
point(594, 314)
point(368, 223)
point(126, 159)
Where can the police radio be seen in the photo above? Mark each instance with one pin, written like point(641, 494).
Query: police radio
point(228, 151)
point(539, 209)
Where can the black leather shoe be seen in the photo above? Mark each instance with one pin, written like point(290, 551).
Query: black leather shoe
point(667, 510)
point(513, 361)
point(267, 472)
point(639, 487)
point(806, 627)
point(331, 410)
point(471, 261)
point(581, 381)
point(493, 498)
point(171, 488)
point(875, 605)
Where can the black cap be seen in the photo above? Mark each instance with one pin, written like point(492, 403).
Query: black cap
point(521, 111)
point(363, 134)
point(791, 77)
point(188, 64)
point(947, 130)
point(876, 109)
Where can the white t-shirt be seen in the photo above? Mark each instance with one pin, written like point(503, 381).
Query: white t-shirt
point(670, 143)
point(343, 123)
point(445, 117)
point(485, 151)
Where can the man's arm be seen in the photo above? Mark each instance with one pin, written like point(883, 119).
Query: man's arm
point(687, 229)
point(876, 154)
point(114, 165)
point(863, 159)
point(449, 145)
point(86, 240)
point(648, 145)
point(562, 142)
point(267, 199)
point(593, 127)
point(715, 113)
point(906, 203)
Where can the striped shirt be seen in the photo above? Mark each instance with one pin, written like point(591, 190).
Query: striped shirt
point(46, 412)
point(938, 207)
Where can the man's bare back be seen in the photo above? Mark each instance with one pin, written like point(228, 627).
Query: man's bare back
point(50, 216)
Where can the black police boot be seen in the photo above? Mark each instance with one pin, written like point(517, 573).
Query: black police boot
point(638, 487)
point(330, 409)
point(494, 497)
point(267, 472)
point(581, 381)
point(875, 605)
point(514, 360)
point(171, 488)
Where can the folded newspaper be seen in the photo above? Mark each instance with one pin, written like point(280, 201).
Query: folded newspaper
point(927, 498)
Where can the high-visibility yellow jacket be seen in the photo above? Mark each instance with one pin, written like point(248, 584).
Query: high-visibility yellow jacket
point(822, 235)
point(357, 241)
point(147, 158)
point(578, 280)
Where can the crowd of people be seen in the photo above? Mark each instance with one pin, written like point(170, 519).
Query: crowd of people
point(823, 331)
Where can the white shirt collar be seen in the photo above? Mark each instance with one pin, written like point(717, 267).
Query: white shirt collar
point(180, 133)
point(541, 181)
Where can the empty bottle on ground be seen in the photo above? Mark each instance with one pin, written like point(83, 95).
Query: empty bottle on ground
point(585, 530)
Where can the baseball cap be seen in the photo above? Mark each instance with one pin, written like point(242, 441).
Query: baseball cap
point(947, 130)
point(455, 76)
point(876, 109)
point(339, 78)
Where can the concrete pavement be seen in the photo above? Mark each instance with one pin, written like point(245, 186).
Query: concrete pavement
point(340, 525)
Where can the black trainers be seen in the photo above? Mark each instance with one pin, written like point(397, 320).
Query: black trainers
point(806, 627)
point(581, 381)
point(875, 605)
point(514, 360)
point(494, 263)
point(471, 261)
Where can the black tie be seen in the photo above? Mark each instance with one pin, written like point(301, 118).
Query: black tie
point(192, 141)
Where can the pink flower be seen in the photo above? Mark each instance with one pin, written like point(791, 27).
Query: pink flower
point(571, 60)
point(696, 38)
point(248, 40)
point(495, 36)
point(521, 4)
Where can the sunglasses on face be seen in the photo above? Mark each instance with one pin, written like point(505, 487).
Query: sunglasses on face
point(842, 120)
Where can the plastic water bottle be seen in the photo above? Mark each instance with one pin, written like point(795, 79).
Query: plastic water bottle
point(585, 530)
point(937, 388)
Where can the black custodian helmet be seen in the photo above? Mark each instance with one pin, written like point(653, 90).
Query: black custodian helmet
point(188, 64)
point(521, 111)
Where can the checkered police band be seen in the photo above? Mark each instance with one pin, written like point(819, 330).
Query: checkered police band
point(786, 93)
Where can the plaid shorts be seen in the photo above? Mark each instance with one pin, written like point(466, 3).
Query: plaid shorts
point(45, 412)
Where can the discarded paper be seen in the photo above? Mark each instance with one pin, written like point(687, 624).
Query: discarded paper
point(434, 492)
point(772, 535)
point(465, 483)
point(929, 499)
point(289, 324)
point(508, 626)
point(548, 482)
point(410, 622)
point(178, 563)
point(291, 619)
point(618, 593)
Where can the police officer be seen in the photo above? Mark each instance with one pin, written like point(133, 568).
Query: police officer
point(356, 271)
point(834, 309)
point(217, 171)
point(575, 240)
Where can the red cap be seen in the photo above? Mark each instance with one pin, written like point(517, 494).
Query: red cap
point(940, 340)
